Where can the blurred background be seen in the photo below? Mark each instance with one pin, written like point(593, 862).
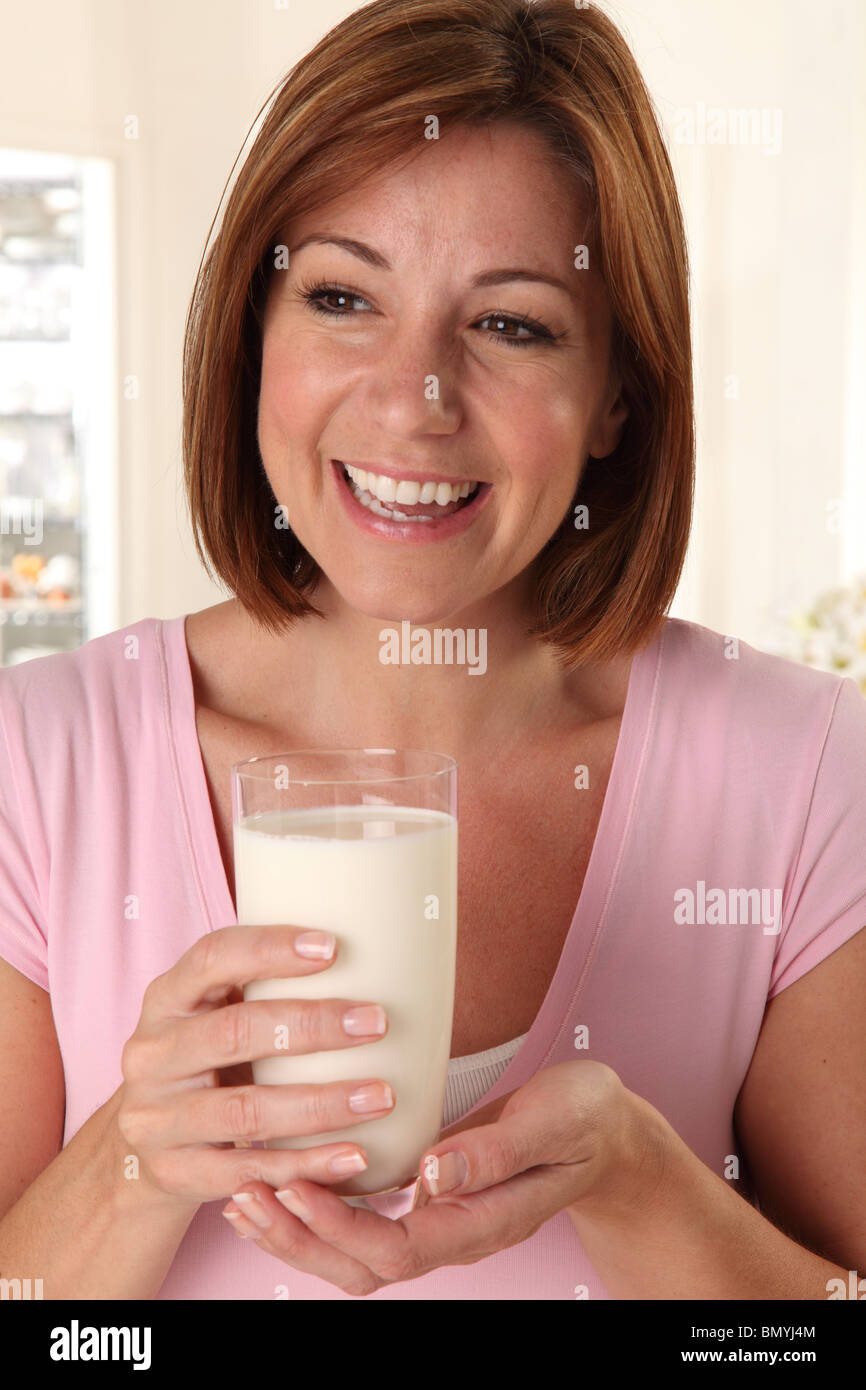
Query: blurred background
point(119, 125)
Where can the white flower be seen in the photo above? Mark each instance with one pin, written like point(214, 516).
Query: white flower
point(831, 635)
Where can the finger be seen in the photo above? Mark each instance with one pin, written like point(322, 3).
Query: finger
point(289, 1239)
point(488, 1114)
point(224, 1114)
point(358, 1233)
point(448, 1231)
point(225, 1037)
point(241, 1226)
point(208, 1174)
point(242, 1074)
point(490, 1154)
point(463, 1229)
point(229, 957)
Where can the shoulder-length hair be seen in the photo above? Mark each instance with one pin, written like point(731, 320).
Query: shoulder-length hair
point(358, 101)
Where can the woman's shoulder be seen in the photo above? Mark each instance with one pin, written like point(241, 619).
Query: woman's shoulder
point(64, 689)
point(728, 709)
point(717, 671)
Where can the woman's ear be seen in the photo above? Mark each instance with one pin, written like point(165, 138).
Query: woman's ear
point(609, 427)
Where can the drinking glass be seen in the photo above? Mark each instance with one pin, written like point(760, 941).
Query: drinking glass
point(361, 842)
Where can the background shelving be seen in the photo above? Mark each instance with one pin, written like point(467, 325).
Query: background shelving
point(57, 464)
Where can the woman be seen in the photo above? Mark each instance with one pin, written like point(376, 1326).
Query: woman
point(454, 255)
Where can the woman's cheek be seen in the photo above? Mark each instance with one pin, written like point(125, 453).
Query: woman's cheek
point(295, 389)
point(547, 445)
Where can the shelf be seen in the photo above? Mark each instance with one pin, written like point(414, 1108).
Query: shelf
point(33, 338)
point(36, 415)
point(67, 523)
point(39, 261)
point(58, 264)
point(39, 605)
point(30, 609)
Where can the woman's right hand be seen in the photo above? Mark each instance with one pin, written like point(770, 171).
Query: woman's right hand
point(177, 1114)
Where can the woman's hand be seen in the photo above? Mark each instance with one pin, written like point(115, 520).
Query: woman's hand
point(188, 1110)
point(573, 1133)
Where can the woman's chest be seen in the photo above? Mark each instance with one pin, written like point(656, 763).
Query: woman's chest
point(525, 842)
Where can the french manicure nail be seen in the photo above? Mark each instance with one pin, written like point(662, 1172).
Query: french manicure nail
point(315, 945)
point(375, 1096)
point(252, 1208)
point(364, 1020)
point(239, 1224)
point(448, 1172)
point(347, 1163)
point(294, 1203)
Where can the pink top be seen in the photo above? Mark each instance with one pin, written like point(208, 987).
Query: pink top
point(729, 774)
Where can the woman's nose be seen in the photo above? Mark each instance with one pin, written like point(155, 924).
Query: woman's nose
point(414, 382)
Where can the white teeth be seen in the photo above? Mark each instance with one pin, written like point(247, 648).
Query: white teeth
point(374, 505)
point(390, 490)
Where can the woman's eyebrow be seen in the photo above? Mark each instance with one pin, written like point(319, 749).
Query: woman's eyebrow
point(483, 281)
point(355, 248)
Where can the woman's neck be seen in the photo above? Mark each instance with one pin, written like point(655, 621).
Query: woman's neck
point(368, 681)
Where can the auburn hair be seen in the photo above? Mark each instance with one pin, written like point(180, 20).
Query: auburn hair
point(358, 101)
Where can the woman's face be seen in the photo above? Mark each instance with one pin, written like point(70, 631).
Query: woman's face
point(421, 370)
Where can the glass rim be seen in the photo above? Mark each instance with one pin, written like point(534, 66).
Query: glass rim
point(450, 766)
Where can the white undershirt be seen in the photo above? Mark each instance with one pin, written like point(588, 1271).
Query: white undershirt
point(469, 1077)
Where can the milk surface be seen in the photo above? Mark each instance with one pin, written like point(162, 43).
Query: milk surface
point(383, 879)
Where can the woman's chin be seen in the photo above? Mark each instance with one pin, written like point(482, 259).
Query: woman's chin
point(388, 607)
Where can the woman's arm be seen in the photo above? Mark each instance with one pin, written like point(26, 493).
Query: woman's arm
point(72, 1219)
point(677, 1230)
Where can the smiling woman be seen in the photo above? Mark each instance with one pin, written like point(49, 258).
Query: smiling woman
point(443, 322)
point(411, 367)
point(591, 272)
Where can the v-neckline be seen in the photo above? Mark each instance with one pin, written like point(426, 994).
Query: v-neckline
point(633, 742)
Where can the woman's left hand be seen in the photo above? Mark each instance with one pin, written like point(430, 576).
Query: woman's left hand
point(572, 1132)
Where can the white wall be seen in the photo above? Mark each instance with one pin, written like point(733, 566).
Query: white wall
point(779, 294)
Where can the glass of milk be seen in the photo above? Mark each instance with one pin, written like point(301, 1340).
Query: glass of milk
point(361, 842)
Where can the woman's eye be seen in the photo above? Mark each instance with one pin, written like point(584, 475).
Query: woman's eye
point(314, 298)
point(536, 333)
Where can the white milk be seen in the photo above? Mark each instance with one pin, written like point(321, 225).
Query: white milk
point(383, 879)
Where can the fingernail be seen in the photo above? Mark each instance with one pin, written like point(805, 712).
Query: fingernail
point(315, 945)
point(294, 1203)
point(444, 1172)
point(376, 1096)
point(364, 1020)
point(347, 1163)
point(239, 1223)
point(253, 1208)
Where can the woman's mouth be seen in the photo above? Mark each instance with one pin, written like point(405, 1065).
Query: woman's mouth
point(420, 520)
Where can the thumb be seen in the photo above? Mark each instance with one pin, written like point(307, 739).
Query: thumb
point(485, 1116)
point(483, 1156)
